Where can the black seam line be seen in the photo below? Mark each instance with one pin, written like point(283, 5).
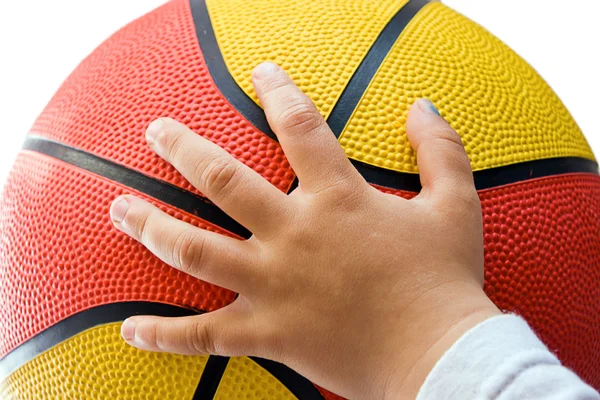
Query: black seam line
point(160, 190)
point(546, 167)
point(349, 98)
point(211, 378)
point(116, 312)
point(217, 68)
point(358, 84)
point(203, 208)
point(293, 185)
point(484, 179)
point(300, 387)
point(82, 321)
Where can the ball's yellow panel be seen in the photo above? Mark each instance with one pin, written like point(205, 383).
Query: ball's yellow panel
point(320, 43)
point(503, 110)
point(245, 380)
point(98, 364)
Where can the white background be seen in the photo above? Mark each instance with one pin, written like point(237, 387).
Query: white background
point(42, 41)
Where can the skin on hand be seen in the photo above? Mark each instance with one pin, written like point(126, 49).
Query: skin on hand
point(359, 291)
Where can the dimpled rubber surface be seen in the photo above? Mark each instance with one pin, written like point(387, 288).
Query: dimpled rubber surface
point(98, 364)
point(319, 43)
point(542, 261)
point(401, 193)
point(503, 110)
point(60, 253)
point(153, 67)
point(246, 380)
point(327, 395)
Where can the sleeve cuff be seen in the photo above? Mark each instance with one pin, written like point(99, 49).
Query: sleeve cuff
point(477, 361)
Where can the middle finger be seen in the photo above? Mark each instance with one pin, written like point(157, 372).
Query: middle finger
point(233, 186)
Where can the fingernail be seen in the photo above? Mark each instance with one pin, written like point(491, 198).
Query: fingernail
point(427, 106)
point(153, 130)
point(119, 209)
point(265, 69)
point(128, 330)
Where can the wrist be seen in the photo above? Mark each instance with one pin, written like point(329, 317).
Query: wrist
point(453, 317)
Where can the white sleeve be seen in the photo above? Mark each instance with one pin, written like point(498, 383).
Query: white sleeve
point(502, 359)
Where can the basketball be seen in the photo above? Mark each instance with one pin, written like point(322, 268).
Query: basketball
point(68, 278)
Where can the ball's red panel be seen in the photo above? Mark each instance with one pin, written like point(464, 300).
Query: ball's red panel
point(329, 395)
point(61, 253)
point(151, 68)
point(401, 193)
point(541, 242)
point(542, 261)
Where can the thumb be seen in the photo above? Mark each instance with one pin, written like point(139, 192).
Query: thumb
point(443, 162)
point(225, 332)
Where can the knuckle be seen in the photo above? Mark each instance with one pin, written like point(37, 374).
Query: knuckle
point(219, 176)
point(447, 137)
point(142, 226)
point(159, 339)
point(340, 195)
point(348, 196)
point(444, 135)
point(199, 338)
point(444, 130)
point(300, 117)
point(188, 252)
point(472, 201)
point(462, 199)
point(274, 84)
point(467, 196)
point(172, 143)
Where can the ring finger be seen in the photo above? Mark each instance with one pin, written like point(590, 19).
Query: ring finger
point(209, 256)
point(233, 186)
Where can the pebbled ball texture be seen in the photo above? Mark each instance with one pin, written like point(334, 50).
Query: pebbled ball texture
point(153, 68)
point(503, 110)
point(318, 47)
point(542, 261)
point(60, 255)
point(98, 364)
point(246, 380)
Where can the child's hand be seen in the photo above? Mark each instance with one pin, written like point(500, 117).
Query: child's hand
point(359, 291)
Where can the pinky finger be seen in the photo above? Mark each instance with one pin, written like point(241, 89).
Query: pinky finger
point(225, 332)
